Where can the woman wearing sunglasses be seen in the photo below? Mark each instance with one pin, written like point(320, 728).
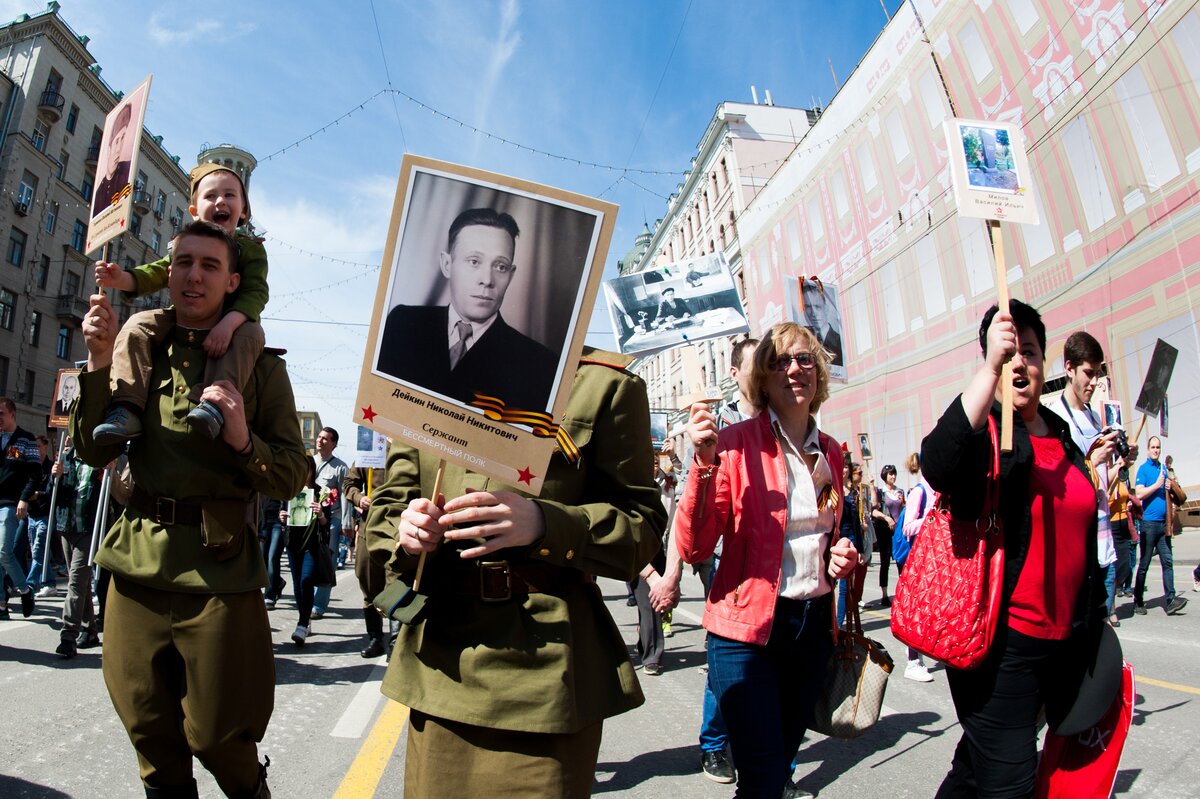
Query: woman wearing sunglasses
point(771, 487)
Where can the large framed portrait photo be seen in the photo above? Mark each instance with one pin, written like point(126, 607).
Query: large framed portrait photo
point(484, 296)
point(120, 145)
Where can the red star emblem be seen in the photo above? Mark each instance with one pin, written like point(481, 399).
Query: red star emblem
point(525, 476)
point(369, 414)
point(122, 223)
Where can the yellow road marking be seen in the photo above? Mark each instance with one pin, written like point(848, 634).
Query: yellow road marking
point(363, 777)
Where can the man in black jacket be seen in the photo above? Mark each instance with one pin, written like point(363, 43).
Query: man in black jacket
point(20, 472)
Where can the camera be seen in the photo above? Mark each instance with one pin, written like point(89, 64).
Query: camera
point(1121, 444)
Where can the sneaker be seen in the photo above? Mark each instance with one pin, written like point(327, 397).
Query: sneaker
point(299, 634)
point(653, 669)
point(916, 671)
point(1175, 605)
point(1139, 610)
point(119, 426)
point(47, 591)
point(318, 614)
point(667, 631)
point(1195, 584)
point(87, 640)
point(27, 602)
point(794, 791)
point(206, 419)
point(66, 649)
point(716, 766)
point(270, 603)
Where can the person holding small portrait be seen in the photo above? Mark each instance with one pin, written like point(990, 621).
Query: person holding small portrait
point(816, 316)
point(116, 175)
point(671, 310)
point(466, 348)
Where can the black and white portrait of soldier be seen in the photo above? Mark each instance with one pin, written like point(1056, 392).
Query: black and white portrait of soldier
point(488, 311)
point(116, 159)
point(822, 320)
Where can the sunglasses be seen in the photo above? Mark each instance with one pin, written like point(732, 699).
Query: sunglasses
point(805, 360)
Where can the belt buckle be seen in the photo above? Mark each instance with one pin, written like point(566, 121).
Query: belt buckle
point(490, 569)
point(161, 504)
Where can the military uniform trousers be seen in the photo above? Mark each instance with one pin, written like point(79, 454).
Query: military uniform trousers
point(449, 758)
point(190, 674)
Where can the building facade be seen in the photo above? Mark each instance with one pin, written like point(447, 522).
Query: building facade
point(1107, 94)
point(743, 145)
point(51, 122)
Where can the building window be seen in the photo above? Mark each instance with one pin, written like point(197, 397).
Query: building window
point(155, 241)
point(72, 118)
point(79, 235)
point(3, 376)
point(71, 284)
point(177, 219)
point(64, 158)
point(41, 131)
point(26, 392)
point(160, 205)
point(86, 187)
point(43, 272)
point(135, 225)
point(63, 348)
point(26, 192)
point(8, 308)
point(51, 217)
point(35, 328)
point(16, 247)
point(140, 183)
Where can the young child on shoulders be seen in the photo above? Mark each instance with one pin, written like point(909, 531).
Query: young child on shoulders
point(233, 345)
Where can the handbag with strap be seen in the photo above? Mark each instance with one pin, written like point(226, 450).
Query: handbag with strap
point(855, 679)
point(948, 598)
point(324, 571)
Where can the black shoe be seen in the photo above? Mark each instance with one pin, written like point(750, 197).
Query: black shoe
point(794, 791)
point(886, 602)
point(27, 602)
point(120, 425)
point(206, 419)
point(1139, 610)
point(716, 766)
point(1174, 606)
point(66, 649)
point(87, 641)
point(375, 648)
point(631, 602)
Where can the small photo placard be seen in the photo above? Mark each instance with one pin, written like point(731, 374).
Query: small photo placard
point(1113, 417)
point(989, 170)
point(66, 389)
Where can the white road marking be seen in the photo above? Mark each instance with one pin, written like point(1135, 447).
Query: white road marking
point(362, 707)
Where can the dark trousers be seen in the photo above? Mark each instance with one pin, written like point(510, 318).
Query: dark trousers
point(304, 567)
point(273, 545)
point(651, 643)
point(1155, 540)
point(1122, 544)
point(997, 705)
point(883, 546)
point(767, 693)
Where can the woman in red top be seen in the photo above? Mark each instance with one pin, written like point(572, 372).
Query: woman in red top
point(771, 488)
point(1054, 595)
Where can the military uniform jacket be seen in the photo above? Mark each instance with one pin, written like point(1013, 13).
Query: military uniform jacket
point(538, 662)
point(171, 461)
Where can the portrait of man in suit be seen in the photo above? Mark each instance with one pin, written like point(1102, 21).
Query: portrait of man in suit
point(817, 319)
point(465, 347)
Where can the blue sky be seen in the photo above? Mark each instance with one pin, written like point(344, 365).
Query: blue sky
point(619, 83)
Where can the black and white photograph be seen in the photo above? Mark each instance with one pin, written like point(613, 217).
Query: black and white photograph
point(66, 389)
point(682, 302)
point(1158, 376)
point(1163, 418)
point(864, 446)
point(116, 167)
point(814, 304)
point(1112, 414)
point(485, 291)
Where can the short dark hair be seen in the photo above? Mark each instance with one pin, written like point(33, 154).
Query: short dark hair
point(8, 404)
point(124, 117)
point(1082, 348)
point(889, 469)
point(1025, 317)
point(487, 217)
point(738, 356)
point(670, 289)
point(208, 230)
point(331, 432)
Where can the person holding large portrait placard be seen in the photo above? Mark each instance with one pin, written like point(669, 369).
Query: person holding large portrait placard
point(516, 663)
point(466, 348)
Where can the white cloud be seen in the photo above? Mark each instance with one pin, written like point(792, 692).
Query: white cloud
point(164, 34)
point(504, 47)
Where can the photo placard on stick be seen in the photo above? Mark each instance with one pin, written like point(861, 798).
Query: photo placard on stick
point(1113, 417)
point(480, 316)
point(66, 389)
point(686, 301)
point(1158, 377)
point(120, 147)
point(989, 170)
point(370, 449)
point(299, 509)
point(658, 428)
point(814, 304)
point(864, 446)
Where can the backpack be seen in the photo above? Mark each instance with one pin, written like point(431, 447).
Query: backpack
point(901, 545)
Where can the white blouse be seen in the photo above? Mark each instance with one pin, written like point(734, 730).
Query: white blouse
point(809, 527)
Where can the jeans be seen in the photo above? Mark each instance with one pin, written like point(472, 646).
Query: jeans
point(1125, 565)
point(273, 545)
point(77, 609)
point(37, 545)
point(714, 737)
point(1110, 585)
point(321, 601)
point(8, 547)
point(767, 693)
point(304, 566)
point(1155, 539)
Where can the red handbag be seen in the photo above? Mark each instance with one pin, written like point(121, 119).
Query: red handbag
point(948, 598)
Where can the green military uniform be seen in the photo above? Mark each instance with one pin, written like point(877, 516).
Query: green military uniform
point(187, 649)
point(370, 574)
point(551, 662)
point(145, 331)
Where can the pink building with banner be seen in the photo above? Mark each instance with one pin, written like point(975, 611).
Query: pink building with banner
point(1107, 95)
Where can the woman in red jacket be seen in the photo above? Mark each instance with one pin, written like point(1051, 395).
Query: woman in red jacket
point(771, 487)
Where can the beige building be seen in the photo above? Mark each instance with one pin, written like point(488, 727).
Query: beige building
point(310, 425)
point(54, 105)
point(742, 147)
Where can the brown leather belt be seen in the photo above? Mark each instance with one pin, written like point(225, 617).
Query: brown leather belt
point(165, 510)
point(501, 580)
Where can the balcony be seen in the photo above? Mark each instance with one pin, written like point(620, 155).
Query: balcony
point(141, 201)
point(50, 106)
point(70, 308)
point(93, 156)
